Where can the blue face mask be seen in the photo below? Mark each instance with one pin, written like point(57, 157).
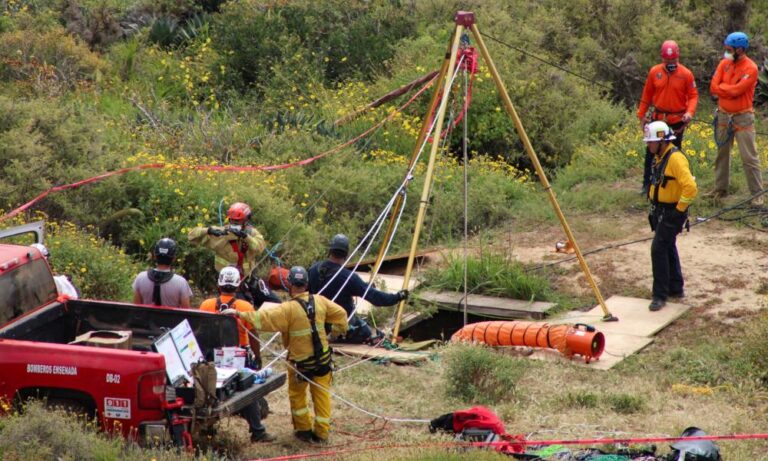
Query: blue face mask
point(671, 67)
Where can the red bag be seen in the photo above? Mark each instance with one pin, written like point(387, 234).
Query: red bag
point(278, 276)
point(477, 417)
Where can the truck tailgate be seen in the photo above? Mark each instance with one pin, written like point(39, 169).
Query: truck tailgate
point(242, 399)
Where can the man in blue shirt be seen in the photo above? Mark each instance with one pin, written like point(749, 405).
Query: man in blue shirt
point(346, 285)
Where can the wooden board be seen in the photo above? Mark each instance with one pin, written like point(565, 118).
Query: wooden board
point(617, 348)
point(504, 308)
point(634, 330)
point(365, 351)
point(634, 316)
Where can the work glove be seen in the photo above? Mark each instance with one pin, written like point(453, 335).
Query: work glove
point(229, 311)
point(240, 233)
point(402, 295)
point(216, 232)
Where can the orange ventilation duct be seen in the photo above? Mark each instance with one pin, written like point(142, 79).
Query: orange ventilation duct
point(569, 340)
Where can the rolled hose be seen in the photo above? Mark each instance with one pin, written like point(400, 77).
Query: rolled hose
point(569, 340)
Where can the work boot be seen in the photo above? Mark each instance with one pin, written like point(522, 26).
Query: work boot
point(304, 436)
point(656, 304)
point(678, 295)
point(318, 440)
point(264, 437)
point(757, 202)
point(715, 194)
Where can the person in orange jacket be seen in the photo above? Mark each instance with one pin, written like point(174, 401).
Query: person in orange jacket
point(734, 85)
point(669, 95)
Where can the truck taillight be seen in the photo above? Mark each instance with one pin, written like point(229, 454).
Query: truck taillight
point(152, 390)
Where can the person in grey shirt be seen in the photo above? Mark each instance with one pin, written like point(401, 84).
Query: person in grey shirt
point(160, 286)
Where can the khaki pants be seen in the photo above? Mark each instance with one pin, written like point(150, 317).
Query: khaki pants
point(744, 133)
point(297, 394)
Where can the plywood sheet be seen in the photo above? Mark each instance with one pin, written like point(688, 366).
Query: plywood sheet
point(634, 316)
point(365, 351)
point(617, 347)
point(505, 308)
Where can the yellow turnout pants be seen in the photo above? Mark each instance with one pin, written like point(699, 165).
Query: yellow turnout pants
point(321, 400)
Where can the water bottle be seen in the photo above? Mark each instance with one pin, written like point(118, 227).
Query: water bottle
point(262, 375)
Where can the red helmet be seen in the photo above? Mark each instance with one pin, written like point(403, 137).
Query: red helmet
point(670, 50)
point(239, 212)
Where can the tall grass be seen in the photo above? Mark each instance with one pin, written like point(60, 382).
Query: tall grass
point(490, 274)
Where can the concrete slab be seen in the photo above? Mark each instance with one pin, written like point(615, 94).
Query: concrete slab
point(491, 306)
point(634, 316)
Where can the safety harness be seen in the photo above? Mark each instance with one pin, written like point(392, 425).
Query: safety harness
point(221, 305)
point(658, 178)
point(158, 278)
point(319, 364)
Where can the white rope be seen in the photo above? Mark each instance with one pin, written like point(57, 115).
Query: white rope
point(401, 189)
point(386, 250)
point(333, 394)
point(466, 193)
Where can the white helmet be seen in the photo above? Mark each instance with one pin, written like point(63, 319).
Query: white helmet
point(229, 276)
point(42, 249)
point(657, 131)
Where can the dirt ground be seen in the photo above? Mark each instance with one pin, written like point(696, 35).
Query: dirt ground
point(725, 268)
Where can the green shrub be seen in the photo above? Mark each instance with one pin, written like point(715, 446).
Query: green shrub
point(477, 374)
point(48, 61)
point(97, 269)
point(581, 400)
point(625, 404)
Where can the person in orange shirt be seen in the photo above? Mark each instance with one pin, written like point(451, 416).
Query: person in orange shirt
point(669, 95)
point(734, 85)
point(229, 282)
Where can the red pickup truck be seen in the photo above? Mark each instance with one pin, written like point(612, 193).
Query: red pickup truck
point(126, 390)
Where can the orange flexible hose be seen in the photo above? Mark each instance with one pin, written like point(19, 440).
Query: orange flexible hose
point(569, 340)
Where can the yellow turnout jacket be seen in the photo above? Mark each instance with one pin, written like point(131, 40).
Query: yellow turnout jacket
point(290, 319)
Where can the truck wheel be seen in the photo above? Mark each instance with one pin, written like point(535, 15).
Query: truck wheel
point(263, 408)
point(70, 406)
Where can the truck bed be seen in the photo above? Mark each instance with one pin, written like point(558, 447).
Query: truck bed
point(61, 323)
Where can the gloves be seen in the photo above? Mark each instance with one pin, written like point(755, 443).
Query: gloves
point(402, 295)
point(216, 232)
point(240, 233)
point(229, 311)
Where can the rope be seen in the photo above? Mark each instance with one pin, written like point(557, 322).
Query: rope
point(591, 81)
point(466, 200)
point(219, 168)
point(514, 445)
point(645, 239)
point(289, 364)
point(382, 215)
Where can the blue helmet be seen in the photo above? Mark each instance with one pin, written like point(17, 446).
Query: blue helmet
point(737, 40)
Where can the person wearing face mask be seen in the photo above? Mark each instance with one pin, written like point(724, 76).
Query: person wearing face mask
point(672, 190)
point(734, 85)
point(669, 95)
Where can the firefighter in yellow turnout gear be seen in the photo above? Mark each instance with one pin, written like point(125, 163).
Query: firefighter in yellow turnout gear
point(672, 190)
point(236, 244)
point(308, 351)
